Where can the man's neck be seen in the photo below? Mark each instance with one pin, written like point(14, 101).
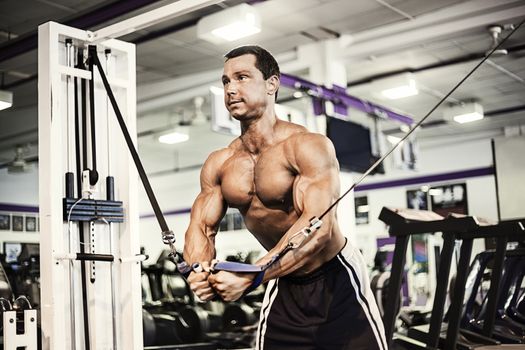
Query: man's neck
point(258, 134)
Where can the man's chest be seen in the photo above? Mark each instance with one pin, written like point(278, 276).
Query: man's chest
point(266, 178)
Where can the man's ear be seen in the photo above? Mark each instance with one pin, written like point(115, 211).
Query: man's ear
point(272, 84)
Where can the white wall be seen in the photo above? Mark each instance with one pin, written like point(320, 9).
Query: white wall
point(21, 189)
point(18, 236)
point(448, 156)
point(177, 191)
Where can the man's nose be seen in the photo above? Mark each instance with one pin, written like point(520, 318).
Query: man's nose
point(231, 89)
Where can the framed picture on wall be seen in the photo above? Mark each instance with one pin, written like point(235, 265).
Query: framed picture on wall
point(449, 199)
point(417, 199)
point(30, 224)
point(5, 222)
point(18, 223)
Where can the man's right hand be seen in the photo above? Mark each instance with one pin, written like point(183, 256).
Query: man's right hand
point(199, 283)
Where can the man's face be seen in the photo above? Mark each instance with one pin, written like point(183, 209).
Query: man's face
point(245, 89)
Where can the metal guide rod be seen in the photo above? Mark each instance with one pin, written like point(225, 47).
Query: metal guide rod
point(70, 191)
point(81, 154)
point(110, 196)
point(68, 127)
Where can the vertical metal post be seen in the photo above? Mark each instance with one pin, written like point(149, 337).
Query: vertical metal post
point(441, 290)
point(456, 308)
point(394, 285)
point(493, 295)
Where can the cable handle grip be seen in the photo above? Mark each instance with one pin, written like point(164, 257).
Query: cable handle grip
point(296, 240)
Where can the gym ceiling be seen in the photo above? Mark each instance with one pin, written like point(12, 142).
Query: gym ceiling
point(438, 41)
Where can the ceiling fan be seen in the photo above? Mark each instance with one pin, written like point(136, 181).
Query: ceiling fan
point(20, 163)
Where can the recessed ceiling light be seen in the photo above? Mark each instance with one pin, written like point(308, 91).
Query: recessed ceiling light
point(468, 117)
point(230, 24)
point(464, 113)
point(174, 137)
point(401, 91)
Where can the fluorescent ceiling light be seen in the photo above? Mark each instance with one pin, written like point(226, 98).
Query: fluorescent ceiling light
point(174, 137)
point(6, 99)
point(401, 91)
point(235, 31)
point(464, 113)
point(230, 24)
point(468, 117)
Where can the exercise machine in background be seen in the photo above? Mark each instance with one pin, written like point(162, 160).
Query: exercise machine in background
point(497, 320)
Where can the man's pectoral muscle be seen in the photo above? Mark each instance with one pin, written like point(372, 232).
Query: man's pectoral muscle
point(316, 187)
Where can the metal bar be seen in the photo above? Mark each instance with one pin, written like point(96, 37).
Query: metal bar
point(107, 219)
point(441, 290)
point(149, 18)
point(456, 308)
point(448, 224)
point(493, 295)
point(135, 258)
point(98, 202)
point(88, 19)
point(513, 231)
point(394, 286)
point(85, 257)
point(340, 97)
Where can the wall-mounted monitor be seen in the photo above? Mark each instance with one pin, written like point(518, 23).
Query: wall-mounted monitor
point(353, 146)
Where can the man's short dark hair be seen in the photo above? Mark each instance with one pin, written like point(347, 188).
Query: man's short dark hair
point(264, 62)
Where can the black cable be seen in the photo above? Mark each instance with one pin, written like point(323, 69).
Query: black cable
point(77, 135)
point(134, 154)
point(380, 160)
point(93, 174)
point(83, 113)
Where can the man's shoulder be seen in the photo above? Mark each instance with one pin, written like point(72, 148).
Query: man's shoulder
point(304, 140)
point(218, 157)
point(309, 149)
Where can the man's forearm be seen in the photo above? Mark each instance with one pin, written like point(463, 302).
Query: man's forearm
point(302, 255)
point(199, 245)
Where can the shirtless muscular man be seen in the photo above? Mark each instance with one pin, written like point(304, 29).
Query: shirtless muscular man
point(279, 176)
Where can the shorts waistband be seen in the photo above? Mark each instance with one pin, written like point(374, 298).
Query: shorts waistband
point(318, 273)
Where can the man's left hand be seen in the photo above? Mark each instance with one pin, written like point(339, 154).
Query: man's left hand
point(230, 286)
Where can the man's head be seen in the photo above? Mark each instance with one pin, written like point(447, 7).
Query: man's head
point(264, 61)
point(250, 79)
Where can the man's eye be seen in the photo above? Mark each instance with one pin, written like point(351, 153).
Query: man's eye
point(243, 77)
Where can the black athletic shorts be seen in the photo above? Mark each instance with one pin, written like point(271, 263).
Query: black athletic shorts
point(331, 308)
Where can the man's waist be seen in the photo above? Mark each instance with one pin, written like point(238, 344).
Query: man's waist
point(316, 271)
